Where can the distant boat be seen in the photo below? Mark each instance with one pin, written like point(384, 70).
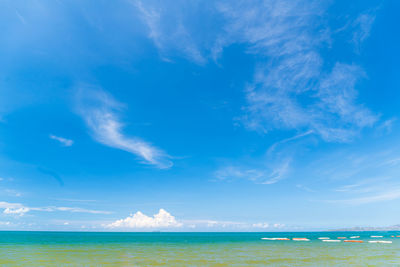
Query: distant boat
point(323, 238)
point(356, 236)
point(275, 238)
point(353, 241)
point(376, 236)
point(380, 241)
point(331, 240)
point(341, 237)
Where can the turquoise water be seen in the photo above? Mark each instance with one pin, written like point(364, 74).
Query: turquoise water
point(193, 249)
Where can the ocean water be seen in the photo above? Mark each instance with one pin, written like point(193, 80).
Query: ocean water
point(193, 249)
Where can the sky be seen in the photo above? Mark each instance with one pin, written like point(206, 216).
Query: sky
point(274, 115)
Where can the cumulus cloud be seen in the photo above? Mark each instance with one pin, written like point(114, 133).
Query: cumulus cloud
point(162, 219)
point(62, 140)
point(100, 112)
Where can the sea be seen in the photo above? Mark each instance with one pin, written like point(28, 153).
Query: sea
point(195, 249)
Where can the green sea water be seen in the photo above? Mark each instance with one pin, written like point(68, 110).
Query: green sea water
point(193, 249)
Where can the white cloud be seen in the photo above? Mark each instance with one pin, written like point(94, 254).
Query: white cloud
point(13, 208)
point(305, 188)
point(162, 219)
point(273, 147)
point(167, 25)
point(100, 111)
point(385, 195)
point(267, 174)
point(217, 224)
point(13, 192)
point(261, 225)
point(17, 211)
point(356, 177)
point(279, 225)
point(278, 173)
point(362, 27)
point(62, 140)
point(292, 89)
point(386, 126)
point(20, 209)
point(70, 209)
point(214, 225)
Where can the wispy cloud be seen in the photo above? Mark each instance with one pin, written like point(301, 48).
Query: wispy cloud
point(386, 126)
point(52, 174)
point(75, 200)
point(292, 89)
point(355, 177)
point(380, 196)
point(62, 140)
point(305, 188)
point(266, 174)
point(362, 27)
point(12, 192)
point(100, 112)
point(70, 209)
point(20, 209)
point(168, 30)
point(271, 167)
point(273, 147)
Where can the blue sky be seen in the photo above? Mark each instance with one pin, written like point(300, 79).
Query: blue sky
point(199, 116)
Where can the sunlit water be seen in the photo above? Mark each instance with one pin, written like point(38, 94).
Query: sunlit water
point(193, 249)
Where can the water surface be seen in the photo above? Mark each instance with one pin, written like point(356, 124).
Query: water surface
point(193, 249)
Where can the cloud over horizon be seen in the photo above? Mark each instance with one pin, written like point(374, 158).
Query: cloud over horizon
point(162, 219)
point(20, 209)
